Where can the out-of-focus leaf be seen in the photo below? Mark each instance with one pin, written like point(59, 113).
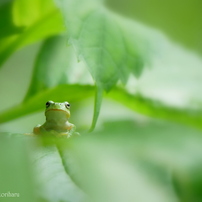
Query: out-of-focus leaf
point(181, 19)
point(54, 184)
point(25, 13)
point(122, 162)
point(16, 176)
point(154, 108)
point(110, 49)
point(51, 66)
point(107, 176)
point(7, 26)
point(137, 103)
point(174, 148)
point(46, 23)
point(125, 160)
point(72, 93)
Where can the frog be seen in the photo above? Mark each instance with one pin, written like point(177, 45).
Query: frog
point(57, 116)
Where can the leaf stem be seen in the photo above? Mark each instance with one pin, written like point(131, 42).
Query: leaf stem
point(97, 106)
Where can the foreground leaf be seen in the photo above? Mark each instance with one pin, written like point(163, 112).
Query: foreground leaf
point(125, 160)
point(16, 174)
point(54, 184)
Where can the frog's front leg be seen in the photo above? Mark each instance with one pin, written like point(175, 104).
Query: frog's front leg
point(40, 129)
point(37, 129)
point(71, 128)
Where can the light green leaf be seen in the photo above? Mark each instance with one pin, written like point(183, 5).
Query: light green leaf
point(111, 50)
point(106, 175)
point(155, 109)
point(25, 13)
point(51, 66)
point(16, 176)
point(120, 162)
point(173, 148)
point(47, 23)
point(125, 160)
point(54, 183)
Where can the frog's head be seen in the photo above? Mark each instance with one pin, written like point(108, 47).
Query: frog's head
point(57, 108)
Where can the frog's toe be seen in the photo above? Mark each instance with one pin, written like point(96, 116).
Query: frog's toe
point(76, 134)
point(64, 135)
point(36, 130)
point(30, 134)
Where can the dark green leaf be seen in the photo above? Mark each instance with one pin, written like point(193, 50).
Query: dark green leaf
point(46, 23)
point(7, 26)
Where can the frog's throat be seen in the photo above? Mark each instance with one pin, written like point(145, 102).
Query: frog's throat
point(67, 113)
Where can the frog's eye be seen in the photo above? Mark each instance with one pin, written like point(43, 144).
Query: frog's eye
point(67, 105)
point(49, 103)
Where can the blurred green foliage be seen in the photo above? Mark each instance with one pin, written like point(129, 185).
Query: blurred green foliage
point(155, 157)
point(180, 19)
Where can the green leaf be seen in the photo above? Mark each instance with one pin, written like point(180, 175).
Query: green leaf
point(6, 23)
point(25, 13)
point(97, 107)
point(185, 29)
point(46, 23)
point(51, 66)
point(156, 109)
point(71, 93)
point(125, 160)
point(137, 103)
point(54, 184)
point(110, 49)
point(16, 176)
point(121, 162)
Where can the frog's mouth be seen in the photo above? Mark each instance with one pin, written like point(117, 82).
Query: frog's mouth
point(66, 112)
point(56, 110)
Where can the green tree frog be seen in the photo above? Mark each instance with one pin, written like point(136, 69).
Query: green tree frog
point(57, 115)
